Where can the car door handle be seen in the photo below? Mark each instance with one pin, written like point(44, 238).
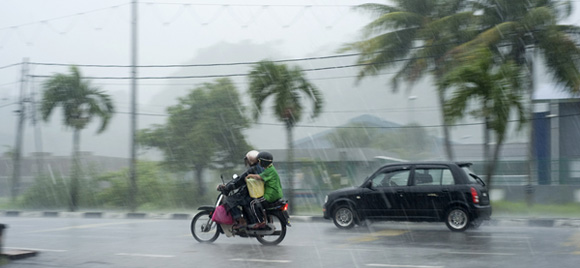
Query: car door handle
point(445, 190)
point(433, 195)
point(400, 191)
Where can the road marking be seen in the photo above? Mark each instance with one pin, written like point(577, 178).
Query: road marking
point(402, 265)
point(482, 253)
point(503, 237)
point(376, 235)
point(38, 249)
point(145, 255)
point(262, 260)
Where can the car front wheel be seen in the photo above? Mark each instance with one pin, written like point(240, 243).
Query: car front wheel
point(457, 219)
point(343, 217)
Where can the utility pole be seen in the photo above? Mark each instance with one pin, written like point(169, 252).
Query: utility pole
point(37, 131)
point(17, 157)
point(132, 167)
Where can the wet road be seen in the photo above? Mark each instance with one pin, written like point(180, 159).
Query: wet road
point(79, 242)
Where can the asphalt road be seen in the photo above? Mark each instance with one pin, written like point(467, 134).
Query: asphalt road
point(81, 242)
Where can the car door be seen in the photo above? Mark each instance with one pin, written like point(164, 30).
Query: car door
point(386, 197)
point(430, 191)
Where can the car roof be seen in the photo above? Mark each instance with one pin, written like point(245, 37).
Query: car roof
point(458, 163)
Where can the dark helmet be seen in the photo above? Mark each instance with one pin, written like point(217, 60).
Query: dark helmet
point(265, 159)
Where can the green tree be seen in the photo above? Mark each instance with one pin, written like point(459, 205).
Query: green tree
point(517, 31)
point(413, 36)
point(493, 92)
point(285, 86)
point(80, 103)
point(204, 130)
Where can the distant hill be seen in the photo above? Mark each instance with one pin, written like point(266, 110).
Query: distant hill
point(320, 141)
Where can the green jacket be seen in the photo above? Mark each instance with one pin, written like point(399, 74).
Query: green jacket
point(272, 185)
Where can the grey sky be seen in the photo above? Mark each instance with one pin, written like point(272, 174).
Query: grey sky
point(194, 32)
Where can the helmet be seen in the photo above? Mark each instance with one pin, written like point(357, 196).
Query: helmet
point(265, 159)
point(251, 157)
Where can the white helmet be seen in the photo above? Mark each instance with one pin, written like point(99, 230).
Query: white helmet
point(252, 157)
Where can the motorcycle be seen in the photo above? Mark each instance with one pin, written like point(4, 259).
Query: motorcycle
point(205, 230)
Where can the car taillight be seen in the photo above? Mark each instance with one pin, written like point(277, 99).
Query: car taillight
point(474, 196)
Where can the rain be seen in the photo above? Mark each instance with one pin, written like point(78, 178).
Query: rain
point(124, 116)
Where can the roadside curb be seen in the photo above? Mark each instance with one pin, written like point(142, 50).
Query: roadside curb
point(499, 221)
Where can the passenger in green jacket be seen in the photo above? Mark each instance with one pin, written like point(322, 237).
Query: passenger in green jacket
point(272, 186)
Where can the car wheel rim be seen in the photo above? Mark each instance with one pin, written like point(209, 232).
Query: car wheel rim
point(457, 219)
point(343, 217)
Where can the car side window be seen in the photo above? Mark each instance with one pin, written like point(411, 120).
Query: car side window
point(433, 176)
point(447, 178)
point(391, 178)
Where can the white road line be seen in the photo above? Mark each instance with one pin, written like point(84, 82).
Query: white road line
point(262, 260)
point(145, 255)
point(38, 249)
point(402, 265)
point(482, 253)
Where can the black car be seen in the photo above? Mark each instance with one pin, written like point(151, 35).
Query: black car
point(413, 191)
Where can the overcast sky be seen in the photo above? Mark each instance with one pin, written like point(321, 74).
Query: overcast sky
point(176, 32)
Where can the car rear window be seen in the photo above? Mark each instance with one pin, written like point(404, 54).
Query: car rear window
point(468, 171)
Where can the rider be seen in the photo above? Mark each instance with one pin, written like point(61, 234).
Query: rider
point(242, 197)
point(272, 185)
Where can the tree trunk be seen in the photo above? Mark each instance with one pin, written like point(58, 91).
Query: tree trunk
point(494, 160)
point(290, 165)
point(530, 150)
point(486, 149)
point(75, 173)
point(446, 133)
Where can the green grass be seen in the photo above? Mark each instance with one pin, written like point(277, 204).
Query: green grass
point(521, 209)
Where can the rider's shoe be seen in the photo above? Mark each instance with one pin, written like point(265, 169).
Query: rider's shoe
point(240, 224)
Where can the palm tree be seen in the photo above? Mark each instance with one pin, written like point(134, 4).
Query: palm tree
point(286, 86)
point(495, 91)
point(413, 36)
point(80, 103)
point(518, 30)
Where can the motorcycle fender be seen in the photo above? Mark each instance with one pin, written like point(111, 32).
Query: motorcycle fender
point(286, 217)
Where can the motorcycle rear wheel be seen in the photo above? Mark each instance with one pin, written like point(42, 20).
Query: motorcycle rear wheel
point(279, 234)
point(199, 223)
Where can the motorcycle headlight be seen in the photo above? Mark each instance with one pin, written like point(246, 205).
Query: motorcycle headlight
point(325, 199)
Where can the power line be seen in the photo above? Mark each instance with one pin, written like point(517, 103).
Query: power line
point(251, 5)
point(10, 65)
point(238, 74)
point(199, 65)
point(62, 17)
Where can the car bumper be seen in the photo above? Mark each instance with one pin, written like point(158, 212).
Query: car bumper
point(325, 212)
point(482, 212)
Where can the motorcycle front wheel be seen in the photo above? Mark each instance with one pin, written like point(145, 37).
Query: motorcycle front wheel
point(279, 233)
point(203, 229)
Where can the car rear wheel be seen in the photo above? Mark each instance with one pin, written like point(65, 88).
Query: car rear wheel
point(457, 219)
point(343, 217)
